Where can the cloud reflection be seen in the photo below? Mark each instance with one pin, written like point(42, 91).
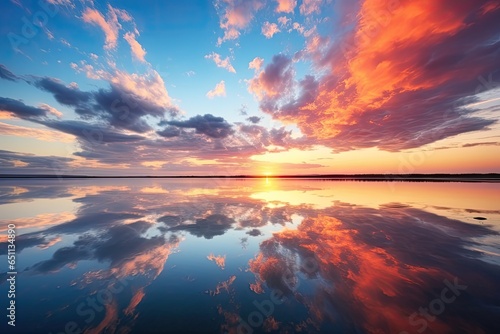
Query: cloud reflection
point(342, 266)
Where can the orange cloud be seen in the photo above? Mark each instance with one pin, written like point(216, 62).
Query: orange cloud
point(286, 6)
point(390, 83)
point(219, 260)
point(222, 286)
point(374, 274)
point(136, 300)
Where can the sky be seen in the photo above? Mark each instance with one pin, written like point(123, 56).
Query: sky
point(261, 87)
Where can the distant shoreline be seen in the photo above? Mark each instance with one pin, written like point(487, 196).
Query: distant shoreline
point(489, 177)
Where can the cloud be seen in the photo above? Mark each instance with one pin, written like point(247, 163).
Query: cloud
point(137, 51)
point(39, 134)
point(109, 25)
point(149, 87)
point(269, 29)
point(254, 119)
point(286, 6)
point(387, 84)
point(274, 81)
point(208, 227)
point(482, 144)
point(220, 260)
point(298, 27)
point(6, 74)
point(92, 133)
point(124, 105)
point(309, 7)
point(65, 95)
point(223, 63)
point(13, 163)
point(256, 64)
point(169, 132)
point(209, 125)
point(219, 90)
point(254, 232)
point(235, 16)
point(20, 109)
point(283, 21)
point(119, 244)
point(364, 254)
point(51, 109)
point(123, 109)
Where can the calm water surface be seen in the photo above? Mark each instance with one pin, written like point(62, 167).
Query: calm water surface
point(251, 256)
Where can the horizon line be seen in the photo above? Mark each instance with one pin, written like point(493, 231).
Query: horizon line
point(371, 176)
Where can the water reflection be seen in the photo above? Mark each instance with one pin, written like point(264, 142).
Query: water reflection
point(145, 256)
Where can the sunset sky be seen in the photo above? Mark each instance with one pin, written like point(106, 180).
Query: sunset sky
point(261, 87)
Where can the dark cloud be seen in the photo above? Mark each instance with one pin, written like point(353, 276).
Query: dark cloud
point(170, 220)
point(20, 109)
point(482, 144)
point(120, 243)
point(22, 242)
point(100, 220)
point(209, 125)
point(61, 257)
point(208, 227)
point(254, 119)
point(13, 162)
point(124, 110)
point(69, 96)
point(35, 189)
point(169, 132)
point(254, 233)
point(115, 106)
point(95, 134)
point(6, 74)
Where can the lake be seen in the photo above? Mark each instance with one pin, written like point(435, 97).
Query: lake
point(250, 256)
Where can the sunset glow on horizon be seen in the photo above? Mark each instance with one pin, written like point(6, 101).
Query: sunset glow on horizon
point(249, 87)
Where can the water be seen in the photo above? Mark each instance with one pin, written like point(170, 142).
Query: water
point(251, 256)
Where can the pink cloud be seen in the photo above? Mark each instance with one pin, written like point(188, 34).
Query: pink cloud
point(298, 27)
point(275, 81)
point(236, 15)
point(39, 134)
point(269, 29)
point(222, 63)
point(256, 64)
point(309, 7)
point(286, 6)
point(283, 21)
point(51, 109)
point(110, 24)
point(219, 90)
point(149, 86)
point(136, 48)
point(110, 27)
